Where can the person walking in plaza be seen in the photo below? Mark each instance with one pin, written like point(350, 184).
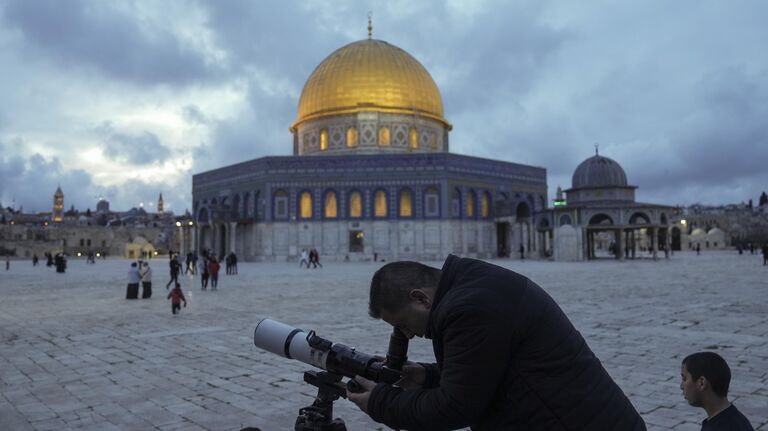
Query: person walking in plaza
point(304, 258)
point(35, 260)
point(213, 270)
point(175, 267)
point(61, 262)
point(189, 268)
point(7, 262)
point(233, 256)
point(765, 253)
point(314, 258)
point(705, 378)
point(228, 263)
point(194, 262)
point(522, 252)
point(204, 274)
point(146, 281)
point(176, 296)
point(698, 248)
point(134, 277)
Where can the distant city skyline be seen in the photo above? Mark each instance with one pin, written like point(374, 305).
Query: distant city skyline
point(126, 101)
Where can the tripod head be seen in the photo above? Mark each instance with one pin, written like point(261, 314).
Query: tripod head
point(318, 416)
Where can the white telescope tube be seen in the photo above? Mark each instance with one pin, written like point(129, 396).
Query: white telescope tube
point(288, 342)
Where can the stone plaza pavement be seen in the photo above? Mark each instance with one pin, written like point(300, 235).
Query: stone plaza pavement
point(74, 354)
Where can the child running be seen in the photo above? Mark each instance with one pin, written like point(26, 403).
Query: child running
point(176, 296)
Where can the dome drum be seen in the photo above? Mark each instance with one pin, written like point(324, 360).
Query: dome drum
point(370, 133)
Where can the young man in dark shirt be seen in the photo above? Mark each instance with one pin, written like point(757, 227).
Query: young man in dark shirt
point(705, 381)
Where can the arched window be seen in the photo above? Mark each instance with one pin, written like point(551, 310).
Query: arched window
point(433, 140)
point(305, 205)
point(406, 203)
point(456, 203)
point(384, 136)
point(380, 204)
point(247, 205)
point(351, 137)
point(323, 140)
point(565, 219)
point(355, 205)
point(470, 204)
point(485, 205)
point(280, 204)
point(431, 202)
point(413, 139)
point(331, 206)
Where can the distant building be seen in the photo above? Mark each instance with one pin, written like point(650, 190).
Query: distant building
point(124, 234)
point(371, 177)
point(58, 206)
point(102, 207)
point(719, 227)
point(600, 218)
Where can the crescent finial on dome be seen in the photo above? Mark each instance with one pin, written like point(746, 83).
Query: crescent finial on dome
point(370, 25)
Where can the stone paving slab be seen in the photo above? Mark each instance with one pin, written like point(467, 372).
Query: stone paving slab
point(74, 354)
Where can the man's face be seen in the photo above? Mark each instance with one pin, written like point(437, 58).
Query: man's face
point(691, 388)
point(413, 317)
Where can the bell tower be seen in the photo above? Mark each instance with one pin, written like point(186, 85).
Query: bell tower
point(160, 205)
point(58, 205)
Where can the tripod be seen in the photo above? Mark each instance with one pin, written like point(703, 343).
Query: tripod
point(317, 417)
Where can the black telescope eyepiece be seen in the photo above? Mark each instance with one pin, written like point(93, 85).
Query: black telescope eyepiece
point(397, 353)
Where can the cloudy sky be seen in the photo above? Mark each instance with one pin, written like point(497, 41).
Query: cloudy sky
point(124, 100)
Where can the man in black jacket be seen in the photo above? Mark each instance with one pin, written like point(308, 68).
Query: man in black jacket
point(507, 357)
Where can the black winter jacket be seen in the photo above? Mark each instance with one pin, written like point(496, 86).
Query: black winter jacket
point(507, 359)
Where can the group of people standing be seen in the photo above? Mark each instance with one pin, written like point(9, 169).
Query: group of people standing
point(310, 257)
point(140, 272)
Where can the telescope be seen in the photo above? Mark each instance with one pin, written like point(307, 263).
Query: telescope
point(337, 360)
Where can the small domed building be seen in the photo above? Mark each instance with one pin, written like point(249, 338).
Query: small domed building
point(600, 218)
point(371, 176)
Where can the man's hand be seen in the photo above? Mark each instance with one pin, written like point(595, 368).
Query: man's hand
point(361, 398)
point(414, 376)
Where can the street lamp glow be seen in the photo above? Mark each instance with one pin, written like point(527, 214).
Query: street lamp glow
point(178, 223)
point(683, 222)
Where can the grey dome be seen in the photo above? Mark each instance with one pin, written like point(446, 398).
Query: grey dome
point(598, 171)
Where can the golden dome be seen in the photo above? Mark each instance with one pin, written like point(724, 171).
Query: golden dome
point(369, 76)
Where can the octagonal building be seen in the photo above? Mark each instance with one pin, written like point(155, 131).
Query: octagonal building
point(371, 177)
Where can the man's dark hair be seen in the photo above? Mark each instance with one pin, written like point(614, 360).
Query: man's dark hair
point(713, 367)
point(392, 283)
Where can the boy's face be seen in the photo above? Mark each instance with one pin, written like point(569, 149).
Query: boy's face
point(692, 389)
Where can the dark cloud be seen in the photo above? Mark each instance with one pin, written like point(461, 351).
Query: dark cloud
point(252, 134)
point(79, 33)
point(135, 149)
point(278, 38)
point(677, 98)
